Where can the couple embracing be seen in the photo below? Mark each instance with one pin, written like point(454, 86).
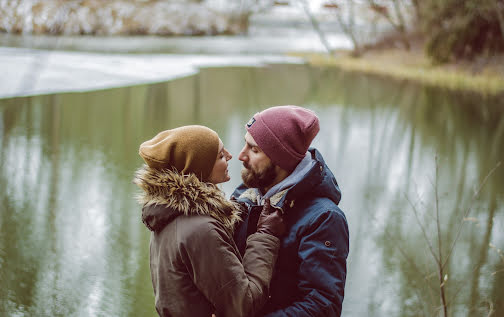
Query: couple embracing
point(277, 247)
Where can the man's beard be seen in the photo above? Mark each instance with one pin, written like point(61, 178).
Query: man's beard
point(258, 179)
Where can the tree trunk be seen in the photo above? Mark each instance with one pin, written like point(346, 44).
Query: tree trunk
point(316, 26)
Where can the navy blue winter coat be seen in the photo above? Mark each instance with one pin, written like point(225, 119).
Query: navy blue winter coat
point(310, 272)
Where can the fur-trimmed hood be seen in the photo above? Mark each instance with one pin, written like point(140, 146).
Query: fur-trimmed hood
point(167, 194)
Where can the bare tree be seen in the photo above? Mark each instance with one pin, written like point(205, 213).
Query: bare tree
point(346, 20)
point(396, 19)
point(242, 10)
point(442, 259)
point(316, 26)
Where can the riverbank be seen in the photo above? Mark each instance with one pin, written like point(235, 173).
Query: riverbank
point(484, 76)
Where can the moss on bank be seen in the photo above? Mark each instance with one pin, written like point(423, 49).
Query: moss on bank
point(486, 79)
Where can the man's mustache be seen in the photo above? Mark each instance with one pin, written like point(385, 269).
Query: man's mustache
point(246, 165)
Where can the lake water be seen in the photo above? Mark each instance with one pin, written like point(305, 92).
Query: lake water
point(72, 242)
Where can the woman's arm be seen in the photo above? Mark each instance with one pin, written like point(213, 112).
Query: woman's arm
point(233, 287)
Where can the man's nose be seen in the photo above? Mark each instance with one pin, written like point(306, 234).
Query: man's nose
point(242, 157)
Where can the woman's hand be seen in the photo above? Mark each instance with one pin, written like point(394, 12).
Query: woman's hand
point(271, 220)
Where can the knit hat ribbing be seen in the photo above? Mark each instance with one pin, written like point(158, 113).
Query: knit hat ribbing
point(188, 149)
point(284, 133)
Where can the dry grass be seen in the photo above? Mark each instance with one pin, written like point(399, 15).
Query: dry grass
point(484, 76)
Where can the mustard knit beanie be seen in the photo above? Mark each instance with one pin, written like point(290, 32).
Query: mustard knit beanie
point(188, 149)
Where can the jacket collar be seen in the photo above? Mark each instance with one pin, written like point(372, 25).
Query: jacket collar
point(168, 194)
point(318, 181)
point(253, 195)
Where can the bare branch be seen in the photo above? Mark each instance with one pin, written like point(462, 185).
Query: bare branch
point(499, 8)
point(476, 194)
point(433, 253)
point(383, 11)
point(403, 253)
point(316, 26)
point(401, 24)
point(442, 277)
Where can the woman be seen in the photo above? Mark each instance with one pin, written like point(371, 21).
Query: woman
point(196, 269)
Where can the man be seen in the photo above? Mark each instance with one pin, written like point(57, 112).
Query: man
point(279, 167)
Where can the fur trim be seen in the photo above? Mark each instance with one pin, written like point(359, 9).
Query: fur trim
point(185, 194)
point(275, 199)
point(251, 194)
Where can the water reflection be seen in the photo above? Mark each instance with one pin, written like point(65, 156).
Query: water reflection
point(71, 240)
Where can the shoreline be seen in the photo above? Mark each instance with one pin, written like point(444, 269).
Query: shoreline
point(486, 79)
point(47, 71)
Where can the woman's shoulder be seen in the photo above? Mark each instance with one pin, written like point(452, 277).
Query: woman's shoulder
point(199, 226)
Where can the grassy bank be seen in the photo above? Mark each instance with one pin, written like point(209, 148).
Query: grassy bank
point(480, 76)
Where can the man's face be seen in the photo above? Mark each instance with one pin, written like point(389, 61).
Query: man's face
point(258, 171)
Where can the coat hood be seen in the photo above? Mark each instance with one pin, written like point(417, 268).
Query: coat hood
point(168, 194)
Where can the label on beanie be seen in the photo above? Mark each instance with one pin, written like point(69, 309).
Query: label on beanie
point(251, 122)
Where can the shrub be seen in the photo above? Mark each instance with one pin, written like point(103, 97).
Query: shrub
point(462, 29)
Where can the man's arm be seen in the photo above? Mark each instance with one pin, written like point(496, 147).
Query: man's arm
point(323, 251)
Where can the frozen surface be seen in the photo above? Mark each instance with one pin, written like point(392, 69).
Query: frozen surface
point(32, 72)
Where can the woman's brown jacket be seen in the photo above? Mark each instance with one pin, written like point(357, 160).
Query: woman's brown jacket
point(196, 268)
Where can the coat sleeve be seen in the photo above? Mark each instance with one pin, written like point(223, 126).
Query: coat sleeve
point(234, 288)
point(323, 251)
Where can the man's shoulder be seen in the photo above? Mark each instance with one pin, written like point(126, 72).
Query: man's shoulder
point(320, 203)
point(321, 212)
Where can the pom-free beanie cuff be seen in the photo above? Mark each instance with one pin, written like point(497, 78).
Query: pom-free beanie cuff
point(188, 149)
point(284, 133)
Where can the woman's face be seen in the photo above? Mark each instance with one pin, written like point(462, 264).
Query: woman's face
point(219, 172)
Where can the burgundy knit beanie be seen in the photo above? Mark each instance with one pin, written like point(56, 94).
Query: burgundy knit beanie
point(284, 133)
